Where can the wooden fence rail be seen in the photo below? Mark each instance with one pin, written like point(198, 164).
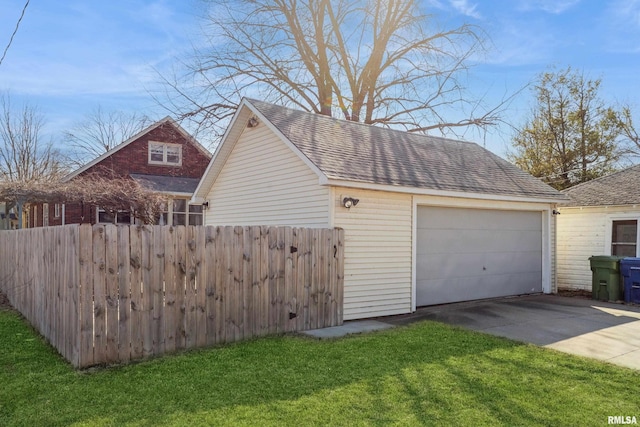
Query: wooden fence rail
point(111, 294)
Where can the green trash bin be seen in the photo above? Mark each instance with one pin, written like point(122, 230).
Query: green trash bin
point(605, 283)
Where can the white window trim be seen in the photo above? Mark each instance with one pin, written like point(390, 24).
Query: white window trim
point(45, 214)
point(56, 210)
point(164, 145)
point(99, 209)
point(609, 230)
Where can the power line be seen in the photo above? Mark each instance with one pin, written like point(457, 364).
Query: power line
point(14, 32)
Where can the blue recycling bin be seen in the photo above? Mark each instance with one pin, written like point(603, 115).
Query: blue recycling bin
point(630, 272)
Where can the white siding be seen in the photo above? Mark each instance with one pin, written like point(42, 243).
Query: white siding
point(264, 183)
point(582, 233)
point(377, 265)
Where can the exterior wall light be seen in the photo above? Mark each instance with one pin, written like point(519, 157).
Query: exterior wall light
point(253, 122)
point(347, 202)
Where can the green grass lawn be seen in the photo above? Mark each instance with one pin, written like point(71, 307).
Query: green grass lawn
point(424, 374)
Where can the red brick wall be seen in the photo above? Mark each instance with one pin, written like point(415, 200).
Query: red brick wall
point(134, 157)
point(74, 213)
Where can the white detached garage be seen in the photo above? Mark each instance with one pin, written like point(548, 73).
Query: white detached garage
point(436, 220)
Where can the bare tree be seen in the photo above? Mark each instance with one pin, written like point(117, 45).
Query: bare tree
point(116, 193)
point(111, 193)
point(99, 132)
point(382, 63)
point(25, 160)
point(24, 157)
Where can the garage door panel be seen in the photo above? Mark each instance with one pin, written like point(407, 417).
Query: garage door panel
point(466, 254)
point(442, 291)
point(476, 241)
point(438, 266)
point(491, 219)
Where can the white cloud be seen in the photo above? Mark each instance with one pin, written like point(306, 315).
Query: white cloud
point(626, 12)
point(550, 6)
point(465, 8)
point(621, 26)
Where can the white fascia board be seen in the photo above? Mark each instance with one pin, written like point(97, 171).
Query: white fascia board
point(176, 194)
point(632, 206)
point(441, 193)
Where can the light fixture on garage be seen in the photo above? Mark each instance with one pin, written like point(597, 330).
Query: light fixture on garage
point(253, 122)
point(347, 202)
point(555, 212)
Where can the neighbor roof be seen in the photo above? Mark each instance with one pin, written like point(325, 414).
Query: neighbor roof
point(166, 184)
point(349, 151)
point(620, 188)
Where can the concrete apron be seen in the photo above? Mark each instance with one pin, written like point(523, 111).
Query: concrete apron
point(599, 330)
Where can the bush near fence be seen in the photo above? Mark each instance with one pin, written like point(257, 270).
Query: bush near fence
point(108, 294)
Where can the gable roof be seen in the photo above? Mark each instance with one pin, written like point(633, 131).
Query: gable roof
point(166, 184)
point(166, 120)
point(619, 188)
point(343, 152)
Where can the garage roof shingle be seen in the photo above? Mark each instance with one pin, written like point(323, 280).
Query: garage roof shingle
point(620, 188)
point(352, 151)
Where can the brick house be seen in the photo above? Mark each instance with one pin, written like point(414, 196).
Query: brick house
point(162, 157)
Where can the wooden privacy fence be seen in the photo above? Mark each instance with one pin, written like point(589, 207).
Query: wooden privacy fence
point(110, 294)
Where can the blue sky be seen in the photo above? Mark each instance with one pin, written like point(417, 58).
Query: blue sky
point(70, 57)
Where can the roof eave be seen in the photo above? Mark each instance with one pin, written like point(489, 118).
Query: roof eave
point(442, 193)
point(605, 206)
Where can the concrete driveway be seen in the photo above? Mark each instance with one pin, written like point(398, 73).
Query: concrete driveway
point(609, 332)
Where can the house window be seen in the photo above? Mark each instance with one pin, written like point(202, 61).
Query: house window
point(45, 214)
point(121, 217)
point(163, 153)
point(195, 214)
point(179, 212)
point(186, 214)
point(56, 210)
point(624, 238)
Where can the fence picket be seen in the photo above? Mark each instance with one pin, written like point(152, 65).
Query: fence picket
point(111, 292)
point(99, 296)
point(124, 294)
point(180, 279)
point(219, 287)
point(157, 290)
point(86, 296)
point(135, 238)
point(190, 295)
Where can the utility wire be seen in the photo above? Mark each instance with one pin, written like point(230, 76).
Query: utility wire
point(14, 31)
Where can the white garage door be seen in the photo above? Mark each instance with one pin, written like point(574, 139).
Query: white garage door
point(467, 254)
